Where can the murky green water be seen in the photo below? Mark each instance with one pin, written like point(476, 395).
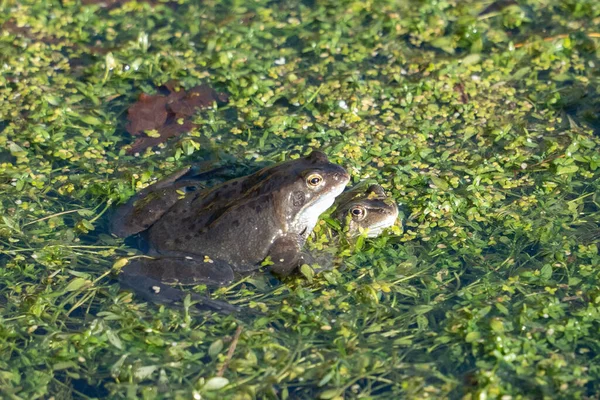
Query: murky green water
point(479, 117)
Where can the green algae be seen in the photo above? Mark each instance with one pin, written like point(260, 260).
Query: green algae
point(480, 118)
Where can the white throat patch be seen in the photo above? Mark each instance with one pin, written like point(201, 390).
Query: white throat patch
point(309, 216)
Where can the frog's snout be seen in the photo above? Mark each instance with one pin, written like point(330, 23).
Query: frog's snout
point(341, 176)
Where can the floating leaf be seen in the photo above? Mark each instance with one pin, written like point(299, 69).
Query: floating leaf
point(120, 263)
point(440, 183)
point(472, 337)
point(307, 271)
point(215, 348)
point(156, 118)
point(114, 339)
point(146, 372)
point(215, 383)
point(76, 284)
point(566, 169)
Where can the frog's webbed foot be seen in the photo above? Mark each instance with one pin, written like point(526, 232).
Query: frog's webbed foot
point(149, 277)
point(285, 255)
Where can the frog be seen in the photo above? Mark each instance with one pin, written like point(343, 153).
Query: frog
point(364, 210)
point(208, 236)
point(367, 210)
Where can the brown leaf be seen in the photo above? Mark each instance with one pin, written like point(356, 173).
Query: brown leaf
point(166, 131)
point(149, 112)
point(169, 115)
point(198, 97)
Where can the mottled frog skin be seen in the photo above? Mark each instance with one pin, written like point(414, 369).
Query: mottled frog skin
point(197, 235)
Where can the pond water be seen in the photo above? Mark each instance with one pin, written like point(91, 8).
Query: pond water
point(480, 118)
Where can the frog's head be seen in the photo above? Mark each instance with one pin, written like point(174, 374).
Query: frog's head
point(367, 209)
point(306, 187)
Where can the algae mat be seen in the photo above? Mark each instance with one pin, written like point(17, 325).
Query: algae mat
point(481, 118)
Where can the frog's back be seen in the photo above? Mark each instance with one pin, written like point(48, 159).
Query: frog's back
point(235, 233)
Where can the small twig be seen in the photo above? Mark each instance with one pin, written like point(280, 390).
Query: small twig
point(231, 350)
point(314, 95)
point(54, 215)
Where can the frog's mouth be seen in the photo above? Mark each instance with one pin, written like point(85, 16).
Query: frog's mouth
point(375, 230)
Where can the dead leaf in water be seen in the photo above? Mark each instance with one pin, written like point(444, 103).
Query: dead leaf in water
point(167, 115)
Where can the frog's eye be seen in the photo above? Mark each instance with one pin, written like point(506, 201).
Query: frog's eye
point(314, 180)
point(358, 212)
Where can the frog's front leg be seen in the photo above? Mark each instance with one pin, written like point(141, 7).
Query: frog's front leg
point(149, 278)
point(285, 255)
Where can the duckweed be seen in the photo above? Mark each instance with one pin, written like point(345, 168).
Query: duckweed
point(480, 118)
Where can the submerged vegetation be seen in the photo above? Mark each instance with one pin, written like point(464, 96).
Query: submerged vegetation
point(481, 118)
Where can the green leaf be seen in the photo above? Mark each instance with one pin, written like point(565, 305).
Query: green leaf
point(440, 183)
point(153, 133)
point(114, 339)
point(215, 383)
point(360, 242)
point(422, 309)
point(502, 309)
point(574, 281)
point(497, 325)
point(16, 150)
point(520, 73)
point(63, 365)
point(472, 336)
point(308, 272)
point(326, 379)
point(471, 59)
point(405, 341)
point(566, 169)
point(483, 312)
point(76, 284)
point(91, 120)
point(546, 272)
point(330, 394)
point(445, 43)
point(146, 372)
point(215, 348)
point(120, 263)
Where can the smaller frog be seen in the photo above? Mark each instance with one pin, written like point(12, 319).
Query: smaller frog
point(360, 210)
point(367, 210)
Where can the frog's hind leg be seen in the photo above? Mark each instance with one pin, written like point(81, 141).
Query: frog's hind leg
point(149, 278)
point(157, 292)
point(182, 270)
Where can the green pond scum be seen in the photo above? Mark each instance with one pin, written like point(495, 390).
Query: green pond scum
point(481, 118)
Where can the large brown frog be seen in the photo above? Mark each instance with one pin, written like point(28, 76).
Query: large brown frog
point(209, 235)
